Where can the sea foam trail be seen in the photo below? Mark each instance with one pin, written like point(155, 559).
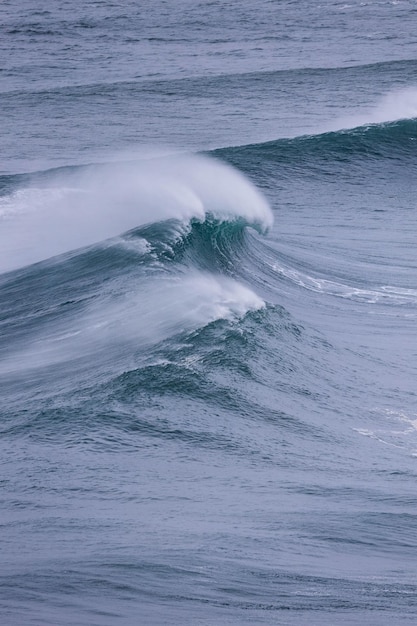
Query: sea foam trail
point(105, 201)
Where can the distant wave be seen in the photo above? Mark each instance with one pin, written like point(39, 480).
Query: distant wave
point(371, 141)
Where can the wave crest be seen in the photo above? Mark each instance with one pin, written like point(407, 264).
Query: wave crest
point(103, 202)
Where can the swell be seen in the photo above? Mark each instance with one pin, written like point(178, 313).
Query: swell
point(179, 85)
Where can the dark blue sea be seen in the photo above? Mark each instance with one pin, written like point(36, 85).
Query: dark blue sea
point(208, 308)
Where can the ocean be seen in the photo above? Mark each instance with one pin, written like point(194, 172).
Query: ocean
point(208, 304)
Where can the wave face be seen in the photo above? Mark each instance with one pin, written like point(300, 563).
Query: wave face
point(207, 350)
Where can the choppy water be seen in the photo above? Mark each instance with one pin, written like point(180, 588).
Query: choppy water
point(208, 308)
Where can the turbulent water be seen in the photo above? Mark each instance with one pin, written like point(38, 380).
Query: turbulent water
point(208, 303)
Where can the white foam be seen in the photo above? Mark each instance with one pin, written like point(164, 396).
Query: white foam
point(397, 428)
point(384, 294)
point(36, 224)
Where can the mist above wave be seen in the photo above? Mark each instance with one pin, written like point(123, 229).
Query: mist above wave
point(400, 104)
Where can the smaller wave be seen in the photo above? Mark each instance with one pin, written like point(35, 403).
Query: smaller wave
point(75, 211)
point(148, 311)
point(386, 130)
